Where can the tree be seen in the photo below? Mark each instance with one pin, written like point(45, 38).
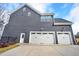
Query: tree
point(4, 18)
point(5, 15)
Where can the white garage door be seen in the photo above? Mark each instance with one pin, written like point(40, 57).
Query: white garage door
point(64, 38)
point(41, 37)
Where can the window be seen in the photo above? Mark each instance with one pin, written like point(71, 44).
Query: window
point(44, 33)
point(59, 33)
point(66, 33)
point(29, 13)
point(46, 18)
point(50, 33)
point(38, 33)
point(33, 33)
point(22, 36)
point(24, 9)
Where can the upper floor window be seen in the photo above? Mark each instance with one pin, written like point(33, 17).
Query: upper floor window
point(46, 18)
point(24, 9)
point(29, 13)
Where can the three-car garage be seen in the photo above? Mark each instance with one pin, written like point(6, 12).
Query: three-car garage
point(49, 37)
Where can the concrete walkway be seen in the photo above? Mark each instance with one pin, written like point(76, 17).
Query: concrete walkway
point(43, 50)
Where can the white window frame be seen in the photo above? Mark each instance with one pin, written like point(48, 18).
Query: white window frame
point(46, 18)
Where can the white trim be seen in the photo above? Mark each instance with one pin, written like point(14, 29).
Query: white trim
point(62, 23)
point(71, 40)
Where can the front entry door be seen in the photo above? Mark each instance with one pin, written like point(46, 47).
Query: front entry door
point(22, 37)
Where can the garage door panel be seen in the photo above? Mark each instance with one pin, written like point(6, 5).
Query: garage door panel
point(35, 38)
point(47, 38)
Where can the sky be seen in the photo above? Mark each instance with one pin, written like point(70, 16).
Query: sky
point(68, 11)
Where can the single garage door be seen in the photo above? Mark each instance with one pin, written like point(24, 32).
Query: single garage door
point(64, 38)
point(42, 37)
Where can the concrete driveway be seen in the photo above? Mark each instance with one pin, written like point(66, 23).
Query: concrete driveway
point(43, 50)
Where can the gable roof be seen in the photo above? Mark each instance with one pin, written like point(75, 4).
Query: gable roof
point(33, 9)
point(28, 7)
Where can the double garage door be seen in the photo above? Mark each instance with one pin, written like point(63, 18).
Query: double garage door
point(48, 37)
point(42, 37)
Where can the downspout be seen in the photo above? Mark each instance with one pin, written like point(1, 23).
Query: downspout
point(55, 39)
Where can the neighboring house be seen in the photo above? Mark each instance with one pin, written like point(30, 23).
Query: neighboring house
point(77, 38)
point(29, 26)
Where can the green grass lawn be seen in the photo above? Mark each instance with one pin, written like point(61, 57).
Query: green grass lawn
point(7, 48)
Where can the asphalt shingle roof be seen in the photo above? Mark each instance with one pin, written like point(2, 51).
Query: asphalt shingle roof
point(60, 20)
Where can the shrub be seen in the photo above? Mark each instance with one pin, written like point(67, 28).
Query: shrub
point(7, 40)
point(2, 45)
point(77, 43)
